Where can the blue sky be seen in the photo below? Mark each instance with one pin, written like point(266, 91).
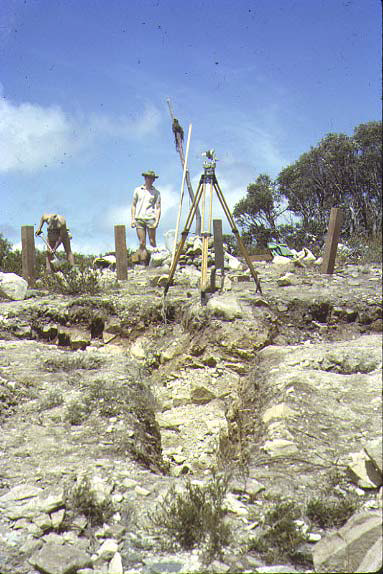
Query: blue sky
point(84, 84)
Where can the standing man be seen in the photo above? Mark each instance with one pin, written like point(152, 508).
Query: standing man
point(146, 212)
point(57, 233)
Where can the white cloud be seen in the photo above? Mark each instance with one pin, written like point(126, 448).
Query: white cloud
point(32, 136)
point(135, 126)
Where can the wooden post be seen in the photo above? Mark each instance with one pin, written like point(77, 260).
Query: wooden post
point(219, 256)
point(332, 238)
point(121, 252)
point(218, 244)
point(28, 255)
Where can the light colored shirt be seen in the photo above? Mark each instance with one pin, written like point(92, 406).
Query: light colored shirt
point(146, 202)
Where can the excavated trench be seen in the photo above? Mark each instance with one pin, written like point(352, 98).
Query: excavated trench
point(276, 389)
point(194, 362)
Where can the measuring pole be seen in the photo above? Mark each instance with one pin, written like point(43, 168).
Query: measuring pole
point(187, 176)
point(182, 193)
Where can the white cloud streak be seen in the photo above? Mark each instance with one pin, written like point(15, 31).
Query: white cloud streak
point(137, 126)
point(33, 136)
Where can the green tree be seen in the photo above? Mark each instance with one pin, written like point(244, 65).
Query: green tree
point(341, 171)
point(367, 199)
point(258, 211)
point(5, 250)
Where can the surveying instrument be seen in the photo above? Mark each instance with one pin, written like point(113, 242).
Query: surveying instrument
point(208, 180)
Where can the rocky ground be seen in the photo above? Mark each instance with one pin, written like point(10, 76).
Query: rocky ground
point(109, 400)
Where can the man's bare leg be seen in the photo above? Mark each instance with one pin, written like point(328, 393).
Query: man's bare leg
point(152, 236)
point(48, 260)
point(68, 250)
point(141, 234)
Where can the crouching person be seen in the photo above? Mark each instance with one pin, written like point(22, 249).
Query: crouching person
point(58, 234)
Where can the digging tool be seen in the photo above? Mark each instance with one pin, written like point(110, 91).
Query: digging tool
point(52, 251)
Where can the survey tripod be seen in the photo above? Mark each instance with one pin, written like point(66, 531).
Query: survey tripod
point(208, 178)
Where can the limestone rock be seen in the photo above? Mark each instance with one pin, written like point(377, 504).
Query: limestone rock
point(341, 551)
point(20, 492)
point(137, 350)
point(37, 505)
point(232, 263)
point(60, 559)
point(108, 549)
point(43, 521)
point(374, 450)
point(277, 569)
point(372, 561)
point(305, 255)
point(159, 258)
point(364, 471)
point(201, 395)
point(115, 565)
point(280, 447)
point(280, 411)
point(12, 286)
point(57, 518)
point(281, 261)
point(287, 280)
point(105, 262)
point(79, 340)
point(232, 504)
point(225, 307)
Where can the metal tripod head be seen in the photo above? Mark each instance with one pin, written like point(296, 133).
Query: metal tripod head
point(210, 162)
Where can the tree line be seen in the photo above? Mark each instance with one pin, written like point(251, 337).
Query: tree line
point(341, 171)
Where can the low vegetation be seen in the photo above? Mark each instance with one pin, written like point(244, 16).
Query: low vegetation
point(54, 398)
point(83, 500)
point(329, 513)
point(194, 517)
point(280, 536)
point(72, 281)
point(72, 361)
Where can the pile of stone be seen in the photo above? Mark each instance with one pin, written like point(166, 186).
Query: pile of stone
point(192, 256)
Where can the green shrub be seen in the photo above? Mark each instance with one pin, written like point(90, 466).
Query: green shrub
point(53, 399)
point(194, 517)
point(72, 362)
point(83, 500)
point(327, 513)
point(72, 281)
point(281, 537)
point(77, 412)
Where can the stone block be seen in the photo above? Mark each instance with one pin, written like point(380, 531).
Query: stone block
point(60, 559)
point(12, 286)
point(343, 550)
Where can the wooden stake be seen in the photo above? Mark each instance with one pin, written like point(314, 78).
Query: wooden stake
point(218, 244)
point(334, 226)
point(121, 252)
point(28, 255)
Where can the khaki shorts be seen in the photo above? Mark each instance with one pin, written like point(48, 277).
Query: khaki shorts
point(143, 223)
